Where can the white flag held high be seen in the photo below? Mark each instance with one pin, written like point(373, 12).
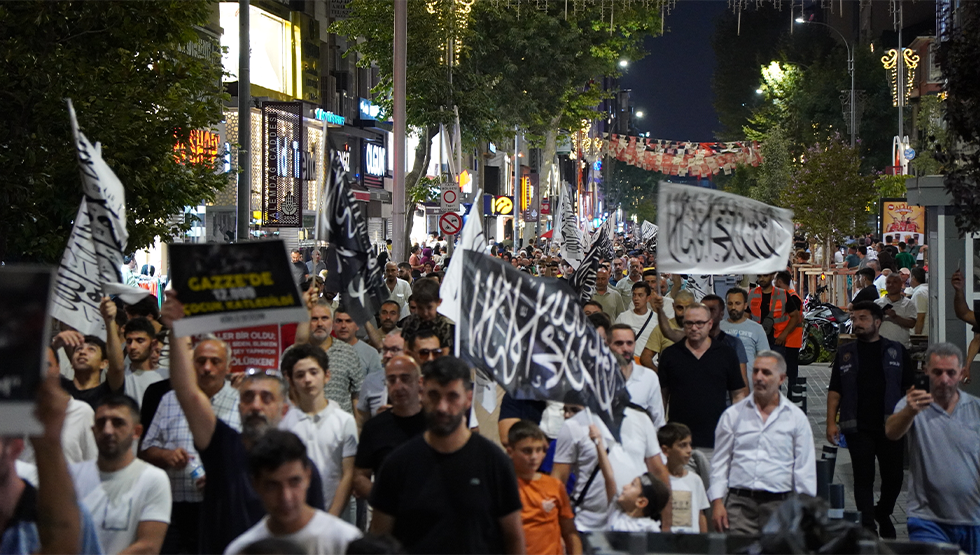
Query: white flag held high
point(566, 233)
point(92, 263)
point(705, 231)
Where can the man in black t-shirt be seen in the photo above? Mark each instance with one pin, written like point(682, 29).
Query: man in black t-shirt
point(231, 506)
point(448, 490)
point(696, 377)
point(393, 427)
point(89, 356)
point(868, 292)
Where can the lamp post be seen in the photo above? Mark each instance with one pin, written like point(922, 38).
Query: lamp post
point(850, 69)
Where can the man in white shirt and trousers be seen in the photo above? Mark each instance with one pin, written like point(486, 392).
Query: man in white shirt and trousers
point(763, 453)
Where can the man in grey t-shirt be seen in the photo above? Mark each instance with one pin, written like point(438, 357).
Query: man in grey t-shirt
point(738, 324)
point(944, 453)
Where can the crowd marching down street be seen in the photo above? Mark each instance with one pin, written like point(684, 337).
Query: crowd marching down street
point(475, 398)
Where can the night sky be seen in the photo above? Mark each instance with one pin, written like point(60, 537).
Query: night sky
point(672, 84)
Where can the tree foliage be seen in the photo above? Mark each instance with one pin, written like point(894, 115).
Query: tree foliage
point(958, 59)
point(828, 193)
point(633, 189)
point(135, 90)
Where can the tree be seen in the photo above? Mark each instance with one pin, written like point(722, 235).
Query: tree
point(518, 69)
point(932, 136)
point(828, 194)
point(135, 89)
point(961, 161)
point(633, 189)
point(775, 170)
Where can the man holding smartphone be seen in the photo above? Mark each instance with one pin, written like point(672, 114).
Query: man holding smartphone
point(868, 378)
point(941, 424)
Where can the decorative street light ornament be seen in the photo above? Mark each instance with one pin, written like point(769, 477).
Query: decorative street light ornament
point(910, 60)
point(584, 145)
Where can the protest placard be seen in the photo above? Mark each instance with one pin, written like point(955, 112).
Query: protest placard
point(705, 231)
point(255, 347)
point(228, 286)
point(25, 295)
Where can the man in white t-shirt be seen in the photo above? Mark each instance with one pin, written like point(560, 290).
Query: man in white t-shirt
point(900, 312)
point(642, 383)
point(280, 473)
point(329, 432)
point(641, 318)
point(129, 500)
point(140, 336)
point(920, 297)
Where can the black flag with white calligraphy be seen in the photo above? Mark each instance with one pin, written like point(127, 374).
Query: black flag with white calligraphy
point(532, 336)
point(583, 279)
point(351, 269)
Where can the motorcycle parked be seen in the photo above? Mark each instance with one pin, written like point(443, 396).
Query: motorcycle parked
point(822, 325)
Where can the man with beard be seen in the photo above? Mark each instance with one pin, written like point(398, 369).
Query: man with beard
point(866, 382)
point(770, 307)
point(658, 340)
point(448, 490)
point(717, 307)
point(405, 272)
point(625, 286)
point(697, 376)
point(168, 443)
point(739, 325)
point(389, 429)
point(388, 316)
point(231, 506)
point(610, 301)
point(140, 336)
point(347, 372)
point(329, 433)
point(345, 329)
point(642, 383)
point(941, 424)
point(754, 469)
point(374, 393)
point(128, 498)
point(399, 289)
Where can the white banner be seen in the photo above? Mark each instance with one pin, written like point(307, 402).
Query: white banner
point(705, 231)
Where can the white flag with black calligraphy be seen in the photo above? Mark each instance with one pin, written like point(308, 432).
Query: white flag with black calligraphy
point(648, 232)
point(567, 234)
point(532, 336)
point(92, 262)
point(705, 231)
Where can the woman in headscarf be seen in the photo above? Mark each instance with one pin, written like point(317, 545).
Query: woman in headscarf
point(426, 256)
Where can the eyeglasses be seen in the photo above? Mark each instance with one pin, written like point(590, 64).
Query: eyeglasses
point(392, 350)
point(425, 353)
point(695, 323)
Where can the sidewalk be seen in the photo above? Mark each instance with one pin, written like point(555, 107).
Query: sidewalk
point(817, 379)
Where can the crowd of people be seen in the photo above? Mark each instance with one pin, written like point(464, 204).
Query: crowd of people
point(366, 439)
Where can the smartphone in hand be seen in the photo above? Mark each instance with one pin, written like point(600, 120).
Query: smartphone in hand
point(922, 382)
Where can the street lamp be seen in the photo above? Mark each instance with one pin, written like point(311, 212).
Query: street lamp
point(623, 63)
point(850, 69)
point(639, 113)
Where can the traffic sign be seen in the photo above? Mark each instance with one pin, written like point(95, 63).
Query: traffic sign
point(449, 197)
point(503, 206)
point(450, 223)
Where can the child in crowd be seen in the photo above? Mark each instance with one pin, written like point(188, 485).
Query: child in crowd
point(688, 497)
point(547, 512)
point(638, 507)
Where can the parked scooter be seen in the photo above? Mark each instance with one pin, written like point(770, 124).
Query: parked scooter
point(822, 325)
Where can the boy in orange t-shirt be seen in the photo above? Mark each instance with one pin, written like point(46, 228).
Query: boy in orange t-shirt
point(547, 514)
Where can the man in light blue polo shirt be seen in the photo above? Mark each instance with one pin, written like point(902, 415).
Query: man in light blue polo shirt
point(943, 426)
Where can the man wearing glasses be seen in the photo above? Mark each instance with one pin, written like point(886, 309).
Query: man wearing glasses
point(696, 376)
point(393, 427)
point(231, 506)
